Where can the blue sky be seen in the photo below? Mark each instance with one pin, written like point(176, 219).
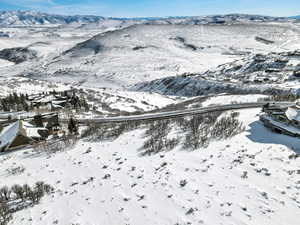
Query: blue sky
point(153, 8)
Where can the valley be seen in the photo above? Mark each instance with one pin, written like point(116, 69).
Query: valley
point(148, 120)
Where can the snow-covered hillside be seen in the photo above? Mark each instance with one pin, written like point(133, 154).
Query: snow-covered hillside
point(257, 73)
point(250, 179)
point(221, 168)
point(116, 52)
point(30, 18)
point(147, 52)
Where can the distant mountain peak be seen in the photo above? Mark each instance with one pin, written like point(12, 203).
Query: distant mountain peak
point(28, 18)
point(296, 17)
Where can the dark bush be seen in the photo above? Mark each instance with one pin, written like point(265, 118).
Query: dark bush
point(23, 196)
point(5, 194)
point(56, 146)
point(19, 191)
point(5, 214)
point(227, 127)
point(202, 129)
point(109, 131)
point(157, 138)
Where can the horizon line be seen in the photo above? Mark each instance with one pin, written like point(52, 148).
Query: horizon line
point(149, 17)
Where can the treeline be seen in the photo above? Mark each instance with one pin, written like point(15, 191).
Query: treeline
point(157, 139)
point(18, 197)
point(191, 133)
point(15, 102)
point(79, 103)
point(23, 102)
point(281, 98)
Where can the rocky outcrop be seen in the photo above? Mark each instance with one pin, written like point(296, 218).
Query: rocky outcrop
point(18, 55)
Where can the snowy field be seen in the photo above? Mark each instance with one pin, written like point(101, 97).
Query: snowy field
point(249, 179)
point(231, 99)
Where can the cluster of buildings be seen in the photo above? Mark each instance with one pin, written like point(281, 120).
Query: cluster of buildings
point(18, 129)
point(51, 101)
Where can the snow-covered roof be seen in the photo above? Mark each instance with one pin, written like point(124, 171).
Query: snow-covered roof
point(8, 134)
point(32, 132)
point(283, 126)
point(57, 106)
point(26, 124)
point(58, 102)
point(293, 114)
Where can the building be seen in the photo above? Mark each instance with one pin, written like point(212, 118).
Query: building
point(282, 119)
point(13, 136)
point(19, 134)
point(49, 121)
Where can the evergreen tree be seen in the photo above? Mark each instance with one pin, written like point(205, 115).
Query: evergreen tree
point(73, 126)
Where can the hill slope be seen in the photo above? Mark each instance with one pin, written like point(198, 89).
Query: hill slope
point(245, 180)
point(147, 52)
point(29, 18)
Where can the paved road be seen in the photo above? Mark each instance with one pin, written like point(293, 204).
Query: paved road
point(174, 114)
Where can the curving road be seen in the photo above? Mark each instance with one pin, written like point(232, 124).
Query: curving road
point(174, 114)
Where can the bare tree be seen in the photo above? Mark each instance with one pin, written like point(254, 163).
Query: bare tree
point(18, 191)
point(5, 214)
point(5, 194)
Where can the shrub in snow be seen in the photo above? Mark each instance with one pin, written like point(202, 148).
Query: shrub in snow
point(285, 97)
point(5, 213)
point(198, 130)
point(109, 131)
point(56, 146)
point(5, 194)
point(202, 129)
point(18, 191)
point(182, 183)
point(226, 127)
point(27, 190)
point(16, 170)
point(157, 138)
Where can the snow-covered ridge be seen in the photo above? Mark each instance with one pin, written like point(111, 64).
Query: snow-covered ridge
point(29, 18)
point(296, 17)
point(259, 68)
point(147, 52)
point(259, 73)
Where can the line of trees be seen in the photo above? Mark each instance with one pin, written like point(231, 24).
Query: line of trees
point(157, 138)
point(197, 131)
point(20, 102)
point(15, 102)
point(18, 197)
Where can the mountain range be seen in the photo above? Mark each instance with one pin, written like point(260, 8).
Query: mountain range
point(30, 18)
